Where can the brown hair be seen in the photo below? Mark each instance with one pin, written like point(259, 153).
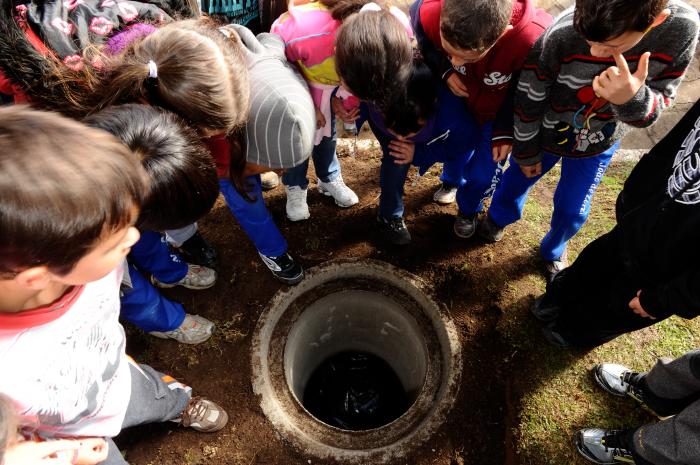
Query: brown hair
point(373, 56)
point(341, 9)
point(201, 75)
point(181, 170)
point(63, 186)
point(474, 24)
point(600, 21)
point(8, 425)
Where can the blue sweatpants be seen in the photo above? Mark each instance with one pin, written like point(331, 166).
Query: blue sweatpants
point(326, 163)
point(475, 175)
point(254, 217)
point(579, 180)
point(143, 305)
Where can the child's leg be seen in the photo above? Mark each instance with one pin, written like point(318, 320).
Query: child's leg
point(510, 196)
point(481, 173)
point(579, 180)
point(144, 306)
point(177, 237)
point(325, 157)
point(155, 397)
point(254, 217)
point(151, 254)
point(392, 178)
point(114, 456)
point(296, 176)
point(673, 385)
point(453, 172)
point(670, 442)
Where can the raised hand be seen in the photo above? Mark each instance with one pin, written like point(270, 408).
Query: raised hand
point(617, 84)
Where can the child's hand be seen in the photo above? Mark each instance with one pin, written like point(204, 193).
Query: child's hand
point(617, 84)
point(320, 119)
point(637, 308)
point(500, 152)
point(531, 171)
point(454, 82)
point(42, 453)
point(403, 151)
point(91, 451)
point(340, 111)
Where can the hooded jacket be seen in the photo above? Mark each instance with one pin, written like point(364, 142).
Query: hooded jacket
point(491, 81)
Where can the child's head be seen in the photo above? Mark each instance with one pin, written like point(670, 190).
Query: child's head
point(183, 182)
point(373, 56)
point(408, 115)
point(469, 29)
point(341, 9)
point(616, 26)
point(188, 67)
point(69, 195)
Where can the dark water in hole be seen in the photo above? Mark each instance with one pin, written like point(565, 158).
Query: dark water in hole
point(355, 391)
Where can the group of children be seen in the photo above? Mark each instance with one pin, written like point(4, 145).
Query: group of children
point(96, 215)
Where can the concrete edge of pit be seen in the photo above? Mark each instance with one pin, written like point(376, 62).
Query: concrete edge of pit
point(449, 338)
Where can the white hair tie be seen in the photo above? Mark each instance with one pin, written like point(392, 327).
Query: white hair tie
point(370, 7)
point(152, 69)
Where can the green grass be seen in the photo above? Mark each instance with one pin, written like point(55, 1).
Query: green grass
point(560, 395)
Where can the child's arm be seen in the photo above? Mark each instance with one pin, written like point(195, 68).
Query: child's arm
point(637, 98)
point(448, 145)
point(532, 98)
point(502, 134)
point(681, 296)
point(433, 56)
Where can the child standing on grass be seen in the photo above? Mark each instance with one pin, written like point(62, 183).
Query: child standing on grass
point(183, 188)
point(309, 31)
point(478, 47)
point(69, 198)
point(599, 66)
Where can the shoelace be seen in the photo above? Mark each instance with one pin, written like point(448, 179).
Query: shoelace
point(632, 378)
point(618, 451)
point(194, 411)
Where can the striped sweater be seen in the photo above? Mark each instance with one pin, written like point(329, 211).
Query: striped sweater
point(556, 110)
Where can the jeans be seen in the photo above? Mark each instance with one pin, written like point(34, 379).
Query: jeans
point(325, 162)
point(254, 217)
point(579, 180)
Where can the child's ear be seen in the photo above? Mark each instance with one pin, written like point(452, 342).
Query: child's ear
point(35, 278)
point(661, 17)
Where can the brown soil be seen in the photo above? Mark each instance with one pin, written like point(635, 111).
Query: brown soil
point(469, 277)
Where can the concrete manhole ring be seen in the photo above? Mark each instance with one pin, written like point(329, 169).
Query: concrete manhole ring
point(361, 305)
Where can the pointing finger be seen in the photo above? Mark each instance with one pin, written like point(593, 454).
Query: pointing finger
point(621, 62)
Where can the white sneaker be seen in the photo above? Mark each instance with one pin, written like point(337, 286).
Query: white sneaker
point(193, 330)
point(197, 278)
point(297, 208)
point(445, 195)
point(269, 180)
point(343, 195)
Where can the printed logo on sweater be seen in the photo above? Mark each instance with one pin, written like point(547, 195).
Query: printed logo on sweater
point(497, 79)
point(686, 170)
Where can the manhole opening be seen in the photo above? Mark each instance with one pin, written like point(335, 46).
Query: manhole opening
point(356, 360)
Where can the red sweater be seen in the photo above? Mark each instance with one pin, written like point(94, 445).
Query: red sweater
point(491, 81)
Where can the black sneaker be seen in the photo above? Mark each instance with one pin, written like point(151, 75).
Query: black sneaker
point(489, 230)
point(198, 251)
point(394, 230)
point(605, 447)
point(545, 308)
point(284, 268)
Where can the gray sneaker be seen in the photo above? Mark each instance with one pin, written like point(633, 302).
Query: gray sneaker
point(619, 380)
point(445, 195)
point(203, 415)
point(465, 226)
point(193, 330)
point(489, 230)
point(197, 278)
point(553, 267)
point(605, 447)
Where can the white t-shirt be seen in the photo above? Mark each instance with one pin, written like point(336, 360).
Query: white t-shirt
point(65, 365)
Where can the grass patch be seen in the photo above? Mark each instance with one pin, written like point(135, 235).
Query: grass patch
point(560, 395)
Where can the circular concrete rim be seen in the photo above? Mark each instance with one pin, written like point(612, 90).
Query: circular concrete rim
point(304, 432)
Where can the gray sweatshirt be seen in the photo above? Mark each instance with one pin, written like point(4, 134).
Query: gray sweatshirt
point(556, 110)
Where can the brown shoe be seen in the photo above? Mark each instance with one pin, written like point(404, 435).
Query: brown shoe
point(203, 415)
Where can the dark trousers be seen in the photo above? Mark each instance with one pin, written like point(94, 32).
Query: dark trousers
point(594, 295)
point(672, 387)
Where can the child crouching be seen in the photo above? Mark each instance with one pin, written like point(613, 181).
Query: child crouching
point(68, 201)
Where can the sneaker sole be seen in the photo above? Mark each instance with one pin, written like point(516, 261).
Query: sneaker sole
point(464, 236)
point(444, 202)
point(328, 194)
point(191, 343)
point(299, 219)
point(186, 286)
